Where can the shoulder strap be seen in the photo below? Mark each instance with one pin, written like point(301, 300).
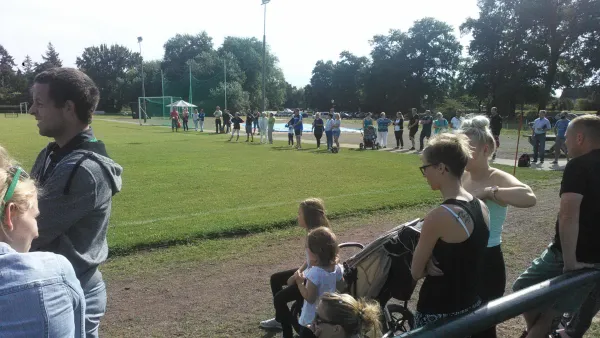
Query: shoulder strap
point(457, 218)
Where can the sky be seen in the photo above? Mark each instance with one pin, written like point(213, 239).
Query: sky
point(299, 32)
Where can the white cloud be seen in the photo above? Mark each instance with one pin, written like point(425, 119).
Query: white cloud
point(299, 32)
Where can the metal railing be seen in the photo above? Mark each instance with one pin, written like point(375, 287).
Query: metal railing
point(507, 307)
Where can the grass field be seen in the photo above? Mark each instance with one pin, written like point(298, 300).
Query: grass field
point(180, 187)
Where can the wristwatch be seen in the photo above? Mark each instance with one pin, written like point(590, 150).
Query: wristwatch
point(494, 190)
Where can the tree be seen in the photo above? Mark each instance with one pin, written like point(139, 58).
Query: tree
point(108, 67)
point(321, 84)
point(8, 78)
point(49, 60)
point(182, 48)
point(348, 81)
point(294, 97)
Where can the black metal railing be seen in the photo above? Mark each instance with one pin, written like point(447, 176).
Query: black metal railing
point(507, 307)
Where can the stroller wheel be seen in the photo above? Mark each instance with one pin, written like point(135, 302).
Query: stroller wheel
point(400, 319)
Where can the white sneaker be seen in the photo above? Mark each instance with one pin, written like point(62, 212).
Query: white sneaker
point(270, 324)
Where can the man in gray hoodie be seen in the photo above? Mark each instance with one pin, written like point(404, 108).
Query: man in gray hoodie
point(77, 179)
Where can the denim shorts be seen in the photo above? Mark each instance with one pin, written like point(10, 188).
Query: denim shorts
point(336, 133)
point(549, 265)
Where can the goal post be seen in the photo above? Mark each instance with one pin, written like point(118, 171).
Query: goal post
point(10, 110)
point(155, 107)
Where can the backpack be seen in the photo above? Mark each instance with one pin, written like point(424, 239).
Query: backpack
point(524, 161)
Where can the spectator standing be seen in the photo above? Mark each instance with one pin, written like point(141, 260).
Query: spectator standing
point(79, 180)
point(426, 123)
point(382, 129)
point(368, 121)
point(262, 126)
point(440, 125)
point(296, 122)
point(398, 130)
point(195, 118)
point(290, 134)
point(496, 124)
point(255, 122)
point(449, 254)
point(560, 129)
point(174, 120)
point(318, 127)
point(236, 126)
point(218, 114)
point(575, 244)
point(336, 129)
point(271, 126)
point(185, 117)
point(498, 189)
point(456, 121)
point(40, 295)
point(328, 131)
point(249, 120)
point(201, 117)
point(413, 127)
point(540, 126)
point(227, 121)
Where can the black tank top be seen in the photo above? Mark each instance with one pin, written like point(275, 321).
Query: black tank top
point(461, 263)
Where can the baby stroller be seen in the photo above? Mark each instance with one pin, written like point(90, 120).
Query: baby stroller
point(369, 138)
point(381, 271)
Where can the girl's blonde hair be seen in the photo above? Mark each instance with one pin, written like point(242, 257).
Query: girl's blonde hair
point(439, 114)
point(453, 150)
point(477, 128)
point(336, 115)
point(382, 114)
point(25, 194)
point(323, 243)
point(317, 114)
point(356, 317)
point(313, 210)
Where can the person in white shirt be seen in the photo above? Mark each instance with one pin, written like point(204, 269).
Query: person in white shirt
point(262, 127)
point(539, 128)
point(456, 121)
point(195, 118)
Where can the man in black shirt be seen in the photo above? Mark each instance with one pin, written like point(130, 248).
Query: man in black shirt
point(413, 127)
point(575, 245)
point(496, 126)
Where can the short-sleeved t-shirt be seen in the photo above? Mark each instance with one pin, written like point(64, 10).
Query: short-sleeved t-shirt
point(174, 115)
point(318, 125)
point(236, 122)
point(414, 121)
point(325, 282)
point(297, 119)
point(202, 116)
point(581, 177)
point(271, 122)
point(426, 122)
point(249, 120)
point(541, 125)
point(496, 124)
point(561, 127)
point(383, 123)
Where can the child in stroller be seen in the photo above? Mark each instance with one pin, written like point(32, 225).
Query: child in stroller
point(381, 271)
point(369, 138)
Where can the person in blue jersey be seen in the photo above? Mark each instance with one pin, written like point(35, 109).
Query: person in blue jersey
point(498, 189)
point(560, 128)
point(296, 122)
point(382, 129)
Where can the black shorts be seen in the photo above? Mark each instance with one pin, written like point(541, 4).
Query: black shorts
point(298, 132)
point(412, 133)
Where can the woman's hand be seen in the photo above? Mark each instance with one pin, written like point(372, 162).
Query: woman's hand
point(432, 269)
point(482, 194)
point(299, 276)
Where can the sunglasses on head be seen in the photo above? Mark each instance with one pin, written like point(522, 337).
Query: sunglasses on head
point(19, 173)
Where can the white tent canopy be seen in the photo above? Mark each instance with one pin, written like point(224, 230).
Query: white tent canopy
point(181, 103)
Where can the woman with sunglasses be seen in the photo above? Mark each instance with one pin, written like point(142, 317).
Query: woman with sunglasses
point(25, 276)
point(342, 316)
point(453, 237)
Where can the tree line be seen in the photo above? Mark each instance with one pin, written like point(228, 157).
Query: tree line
point(520, 52)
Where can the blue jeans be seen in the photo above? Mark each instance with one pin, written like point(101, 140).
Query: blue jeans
point(95, 302)
point(539, 146)
point(329, 136)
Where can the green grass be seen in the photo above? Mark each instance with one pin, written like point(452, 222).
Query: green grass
point(180, 187)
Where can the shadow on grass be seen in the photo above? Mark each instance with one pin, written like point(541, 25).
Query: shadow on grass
point(134, 143)
point(283, 148)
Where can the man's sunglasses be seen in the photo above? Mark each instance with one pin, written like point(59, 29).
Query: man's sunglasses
point(19, 173)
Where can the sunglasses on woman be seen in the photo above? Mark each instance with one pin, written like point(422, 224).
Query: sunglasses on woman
point(319, 321)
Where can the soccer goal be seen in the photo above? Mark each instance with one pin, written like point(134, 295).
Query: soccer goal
point(154, 107)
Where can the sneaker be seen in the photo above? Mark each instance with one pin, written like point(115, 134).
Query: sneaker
point(554, 162)
point(270, 324)
point(413, 148)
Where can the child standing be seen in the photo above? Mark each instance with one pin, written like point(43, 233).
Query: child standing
point(328, 132)
point(290, 134)
point(236, 126)
point(249, 119)
point(321, 277)
point(271, 127)
point(262, 127)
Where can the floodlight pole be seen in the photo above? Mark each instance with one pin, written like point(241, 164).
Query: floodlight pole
point(225, 71)
point(143, 84)
point(264, 72)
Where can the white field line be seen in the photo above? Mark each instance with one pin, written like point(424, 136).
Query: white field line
point(226, 210)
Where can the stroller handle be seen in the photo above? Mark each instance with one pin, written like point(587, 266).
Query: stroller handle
point(351, 245)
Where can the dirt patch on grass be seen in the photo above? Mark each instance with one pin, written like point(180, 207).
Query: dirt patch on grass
point(229, 298)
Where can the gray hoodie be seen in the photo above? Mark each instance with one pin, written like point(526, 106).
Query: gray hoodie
point(75, 203)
